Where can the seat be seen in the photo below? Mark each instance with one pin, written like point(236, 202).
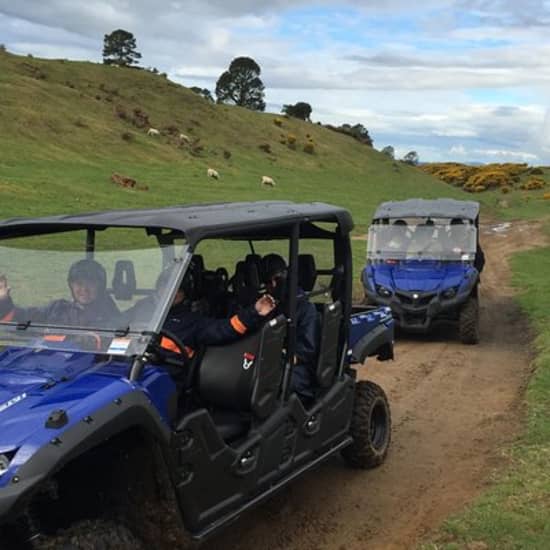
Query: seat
point(124, 280)
point(307, 272)
point(244, 377)
point(246, 283)
point(327, 362)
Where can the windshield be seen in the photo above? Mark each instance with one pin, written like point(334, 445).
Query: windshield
point(432, 241)
point(53, 294)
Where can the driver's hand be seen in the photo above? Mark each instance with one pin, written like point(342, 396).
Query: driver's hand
point(4, 288)
point(265, 305)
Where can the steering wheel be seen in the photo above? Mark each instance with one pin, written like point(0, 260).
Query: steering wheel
point(176, 355)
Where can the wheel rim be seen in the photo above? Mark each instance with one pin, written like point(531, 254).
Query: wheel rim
point(378, 428)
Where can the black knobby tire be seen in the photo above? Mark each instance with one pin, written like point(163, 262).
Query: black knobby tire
point(92, 534)
point(468, 322)
point(370, 427)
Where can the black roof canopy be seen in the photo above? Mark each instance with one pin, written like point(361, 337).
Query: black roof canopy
point(239, 219)
point(436, 208)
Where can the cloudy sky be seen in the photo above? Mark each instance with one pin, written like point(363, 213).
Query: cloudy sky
point(465, 80)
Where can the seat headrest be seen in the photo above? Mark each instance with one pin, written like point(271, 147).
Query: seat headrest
point(307, 271)
point(252, 271)
point(124, 280)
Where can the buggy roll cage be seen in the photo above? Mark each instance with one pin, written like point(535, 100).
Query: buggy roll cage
point(262, 220)
point(424, 208)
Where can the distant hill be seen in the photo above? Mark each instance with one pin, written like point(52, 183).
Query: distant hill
point(66, 127)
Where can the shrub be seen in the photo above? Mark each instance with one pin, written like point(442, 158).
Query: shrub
point(98, 97)
point(536, 171)
point(546, 196)
point(278, 121)
point(2, 48)
point(172, 130)
point(490, 178)
point(30, 56)
point(80, 123)
point(265, 147)
point(120, 112)
point(127, 136)
point(291, 139)
point(226, 154)
point(140, 119)
point(196, 150)
point(309, 148)
point(533, 183)
point(505, 189)
point(70, 85)
point(480, 188)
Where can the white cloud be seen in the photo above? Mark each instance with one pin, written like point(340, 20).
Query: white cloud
point(458, 150)
point(411, 85)
point(503, 154)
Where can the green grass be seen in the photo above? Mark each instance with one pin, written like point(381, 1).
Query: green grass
point(61, 139)
point(59, 146)
point(515, 512)
point(515, 205)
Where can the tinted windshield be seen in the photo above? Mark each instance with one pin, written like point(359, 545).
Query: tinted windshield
point(435, 241)
point(55, 295)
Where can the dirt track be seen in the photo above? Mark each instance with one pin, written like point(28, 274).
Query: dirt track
point(453, 407)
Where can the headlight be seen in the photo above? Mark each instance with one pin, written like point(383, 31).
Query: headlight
point(383, 291)
point(450, 293)
point(4, 464)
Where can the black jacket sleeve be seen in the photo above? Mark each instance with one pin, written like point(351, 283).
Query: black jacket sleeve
point(223, 331)
point(8, 311)
point(194, 329)
point(479, 261)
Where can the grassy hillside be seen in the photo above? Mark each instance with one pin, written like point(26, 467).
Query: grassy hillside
point(61, 139)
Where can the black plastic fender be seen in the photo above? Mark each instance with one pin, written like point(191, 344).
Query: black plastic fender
point(130, 410)
point(378, 341)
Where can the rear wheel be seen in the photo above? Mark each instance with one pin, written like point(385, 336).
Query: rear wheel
point(370, 427)
point(468, 322)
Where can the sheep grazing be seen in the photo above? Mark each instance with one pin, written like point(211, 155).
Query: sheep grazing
point(184, 138)
point(211, 173)
point(268, 182)
point(153, 132)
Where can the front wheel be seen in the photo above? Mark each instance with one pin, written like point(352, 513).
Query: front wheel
point(370, 427)
point(468, 322)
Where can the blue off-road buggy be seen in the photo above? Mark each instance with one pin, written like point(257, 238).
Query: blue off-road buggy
point(110, 440)
point(424, 261)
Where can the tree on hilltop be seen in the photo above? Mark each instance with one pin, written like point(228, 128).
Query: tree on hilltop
point(119, 48)
point(411, 158)
point(299, 110)
point(389, 151)
point(241, 85)
point(204, 92)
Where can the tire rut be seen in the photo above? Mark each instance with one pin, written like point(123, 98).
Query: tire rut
point(454, 407)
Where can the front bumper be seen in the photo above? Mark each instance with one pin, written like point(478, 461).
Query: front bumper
point(418, 311)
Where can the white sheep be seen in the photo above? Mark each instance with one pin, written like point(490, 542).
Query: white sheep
point(153, 132)
point(268, 182)
point(185, 138)
point(211, 173)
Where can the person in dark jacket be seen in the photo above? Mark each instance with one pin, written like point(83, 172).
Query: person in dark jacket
point(274, 273)
point(90, 306)
point(458, 235)
point(194, 329)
